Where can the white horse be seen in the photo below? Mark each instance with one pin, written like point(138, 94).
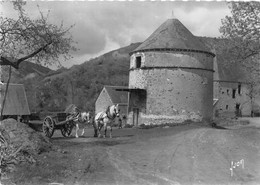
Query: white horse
point(82, 122)
point(105, 119)
point(80, 119)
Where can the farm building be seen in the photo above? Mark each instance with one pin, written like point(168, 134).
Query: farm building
point(170, 78)
point(231, 91)
point(232, 99)
point(16, 103)
point(109, 96)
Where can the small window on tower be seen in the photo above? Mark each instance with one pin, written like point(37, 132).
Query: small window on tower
point(138, 61)
point(226, 107)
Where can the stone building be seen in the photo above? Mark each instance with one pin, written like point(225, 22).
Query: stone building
point(232, 99)
point(109, 96)
point(170, 78)
point(231, 90)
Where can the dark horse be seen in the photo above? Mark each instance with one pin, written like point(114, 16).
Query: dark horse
point(105, 119)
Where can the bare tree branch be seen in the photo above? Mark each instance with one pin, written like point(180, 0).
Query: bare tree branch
point(15, 64)
point(24, 38)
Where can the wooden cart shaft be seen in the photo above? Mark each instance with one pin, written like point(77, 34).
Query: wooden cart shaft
point(62, 119)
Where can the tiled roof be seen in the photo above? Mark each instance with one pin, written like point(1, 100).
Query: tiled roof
point(172, 34)
point(117, 96)
point(16, 101)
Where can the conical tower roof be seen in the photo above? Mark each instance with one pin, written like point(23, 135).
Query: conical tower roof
point(172, 34)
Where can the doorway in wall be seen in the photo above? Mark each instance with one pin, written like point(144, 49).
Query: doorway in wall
point(238, 111)
point(135, 116)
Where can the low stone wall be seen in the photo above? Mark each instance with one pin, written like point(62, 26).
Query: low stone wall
point(161, 119)
point(145, 119)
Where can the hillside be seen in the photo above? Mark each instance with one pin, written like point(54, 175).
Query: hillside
point(28, 74)
point(81, 84)
point(27, 70)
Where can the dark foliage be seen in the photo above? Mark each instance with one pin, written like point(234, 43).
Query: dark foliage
point(82, 84)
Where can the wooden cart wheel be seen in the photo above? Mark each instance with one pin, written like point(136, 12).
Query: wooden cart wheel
point(66, 129)
point(48, 126)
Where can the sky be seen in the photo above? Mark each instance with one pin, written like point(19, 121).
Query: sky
point(103, 26)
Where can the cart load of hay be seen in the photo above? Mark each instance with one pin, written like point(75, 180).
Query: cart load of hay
point(20, 143)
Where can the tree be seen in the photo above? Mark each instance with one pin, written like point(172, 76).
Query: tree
point(24, 38)
point(32, 39)
point(242, 28)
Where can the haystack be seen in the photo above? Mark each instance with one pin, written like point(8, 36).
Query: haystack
point(20, 134)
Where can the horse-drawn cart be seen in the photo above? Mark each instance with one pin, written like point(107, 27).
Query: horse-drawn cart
point(62, 121)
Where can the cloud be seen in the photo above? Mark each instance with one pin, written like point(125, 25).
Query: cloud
point(78, 59)
point(206, 23)
point(89, 40)
point(102, 26)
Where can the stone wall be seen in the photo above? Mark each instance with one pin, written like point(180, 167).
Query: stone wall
point(229, 96)
point(179, 86)
point(173, 59)
point(149, 119)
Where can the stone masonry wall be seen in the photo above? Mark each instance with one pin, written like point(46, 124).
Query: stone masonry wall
point(179, 86)
point(167, 58)
point(226, 105)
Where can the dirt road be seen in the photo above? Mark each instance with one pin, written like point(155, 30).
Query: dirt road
point(188, 154)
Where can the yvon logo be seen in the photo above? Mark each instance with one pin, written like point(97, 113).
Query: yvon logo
point(236, 164)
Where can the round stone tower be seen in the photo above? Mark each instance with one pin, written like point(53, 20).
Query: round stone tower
point(171, 78)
